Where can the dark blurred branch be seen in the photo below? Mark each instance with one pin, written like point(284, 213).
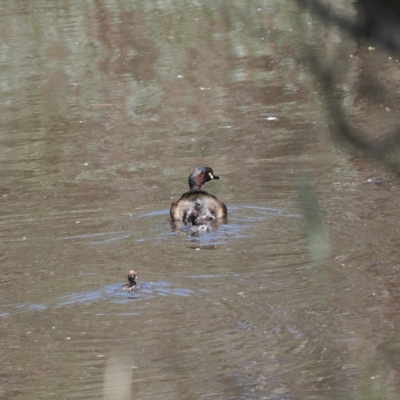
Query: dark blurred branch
point(344, 130)
point(377, 20)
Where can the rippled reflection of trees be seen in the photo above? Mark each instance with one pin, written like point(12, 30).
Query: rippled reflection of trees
point(375, 25)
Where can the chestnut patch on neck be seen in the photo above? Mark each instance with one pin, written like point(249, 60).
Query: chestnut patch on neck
point(199, 180)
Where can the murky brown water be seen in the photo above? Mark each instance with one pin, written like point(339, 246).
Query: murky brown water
point(106, 107)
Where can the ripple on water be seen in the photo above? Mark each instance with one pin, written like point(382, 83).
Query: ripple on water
point(145, 291)
point(112, 293)
point(219, 308)
point(241, 220)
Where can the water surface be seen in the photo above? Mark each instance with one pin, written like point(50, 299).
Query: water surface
point(106, 107)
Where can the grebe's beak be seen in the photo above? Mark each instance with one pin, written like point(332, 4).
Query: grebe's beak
point(213, 176)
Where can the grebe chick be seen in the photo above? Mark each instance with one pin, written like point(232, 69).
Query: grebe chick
point(132, 281)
